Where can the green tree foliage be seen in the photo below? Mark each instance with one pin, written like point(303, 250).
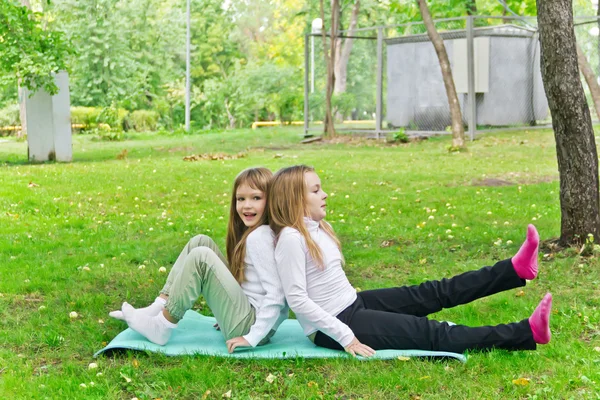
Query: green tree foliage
point(28, 52)
point(124, 51)
point(247, 55)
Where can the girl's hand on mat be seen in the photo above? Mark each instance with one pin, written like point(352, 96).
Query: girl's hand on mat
point(236, 342)
point(216, 326)
point(356, 347)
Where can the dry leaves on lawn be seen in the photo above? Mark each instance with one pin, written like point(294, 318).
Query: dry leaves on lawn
point(213, 156)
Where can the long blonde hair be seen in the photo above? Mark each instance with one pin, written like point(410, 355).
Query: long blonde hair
point(287, 207)
point(237, 232)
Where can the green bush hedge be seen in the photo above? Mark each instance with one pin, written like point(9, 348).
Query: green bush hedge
point(92, 116)
point(143, 120)
point(9, 115)
point(117, 119)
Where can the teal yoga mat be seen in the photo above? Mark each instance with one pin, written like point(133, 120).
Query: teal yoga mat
point(196, 335)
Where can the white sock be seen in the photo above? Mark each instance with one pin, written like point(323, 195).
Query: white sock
point(151, 311)
point(156, 329)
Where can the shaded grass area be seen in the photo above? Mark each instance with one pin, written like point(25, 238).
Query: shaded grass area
point(74, 236)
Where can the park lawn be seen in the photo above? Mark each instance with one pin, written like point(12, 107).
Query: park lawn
point(73, 238)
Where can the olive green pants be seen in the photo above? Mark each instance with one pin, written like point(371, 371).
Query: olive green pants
point(201, 269)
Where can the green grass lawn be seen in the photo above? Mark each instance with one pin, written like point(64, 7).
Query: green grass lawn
point(74, 235)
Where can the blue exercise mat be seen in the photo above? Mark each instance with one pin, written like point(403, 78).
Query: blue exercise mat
point(196, 335)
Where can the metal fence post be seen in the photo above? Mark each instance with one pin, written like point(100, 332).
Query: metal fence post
point(188, 68)
point(306, 68)
point(472, 101)
point(379, 108)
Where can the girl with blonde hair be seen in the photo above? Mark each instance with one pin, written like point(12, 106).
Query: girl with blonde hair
point(333, 315)
point(242, 290)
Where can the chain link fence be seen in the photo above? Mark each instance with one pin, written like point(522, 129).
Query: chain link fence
point(394, 82)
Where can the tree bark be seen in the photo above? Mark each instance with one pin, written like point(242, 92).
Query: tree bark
point(471, 6)
point(344, 50)
point(458, 130)
point(571, 121)
point(328, 124)
point(504, 12)
point(590, 78)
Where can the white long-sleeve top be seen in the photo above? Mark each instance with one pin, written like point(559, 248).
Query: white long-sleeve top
point(262, 285)
point(316, 295)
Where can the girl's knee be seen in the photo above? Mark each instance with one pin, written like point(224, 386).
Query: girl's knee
point(201, 240)
point(206, 258)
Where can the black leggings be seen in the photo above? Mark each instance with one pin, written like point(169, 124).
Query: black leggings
point(395, 318)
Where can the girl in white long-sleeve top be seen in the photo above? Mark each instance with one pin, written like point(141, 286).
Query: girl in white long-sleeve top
point(334, 315)
point(243, 291)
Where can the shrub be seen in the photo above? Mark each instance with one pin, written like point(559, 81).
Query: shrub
point(9, 115)
point(92, 116)
point(104, 132)
point(85, 115)
point(114, 117)
point(400, 136)
point(143, 120)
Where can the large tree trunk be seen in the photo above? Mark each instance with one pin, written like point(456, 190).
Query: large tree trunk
point(458, 130)
point(590, 78)
point(328, 124)
point(504, 12)
point(344, 50)
point(471, 6)
point(575, 144)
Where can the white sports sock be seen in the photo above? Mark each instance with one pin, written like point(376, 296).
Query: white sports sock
point(156, 329)
point(151, 311)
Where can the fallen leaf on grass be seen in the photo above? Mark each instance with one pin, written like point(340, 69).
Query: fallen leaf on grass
point(520, 293)
point(227, 394)
point(127, 379)
point(270, 378)
point(521, 381)
point(135, 363)
point(213, 156)
point(123, 154)
point(206, 394)
point(312, 384)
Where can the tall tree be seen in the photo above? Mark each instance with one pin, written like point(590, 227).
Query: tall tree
point(471, 6)
point(343, 49)
point(590, 78)
point(571, 121)
point(29, 54)
point(328, 124)
point(458, 130)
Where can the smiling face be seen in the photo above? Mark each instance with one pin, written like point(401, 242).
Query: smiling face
point(250, 204)
point(315, 197)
